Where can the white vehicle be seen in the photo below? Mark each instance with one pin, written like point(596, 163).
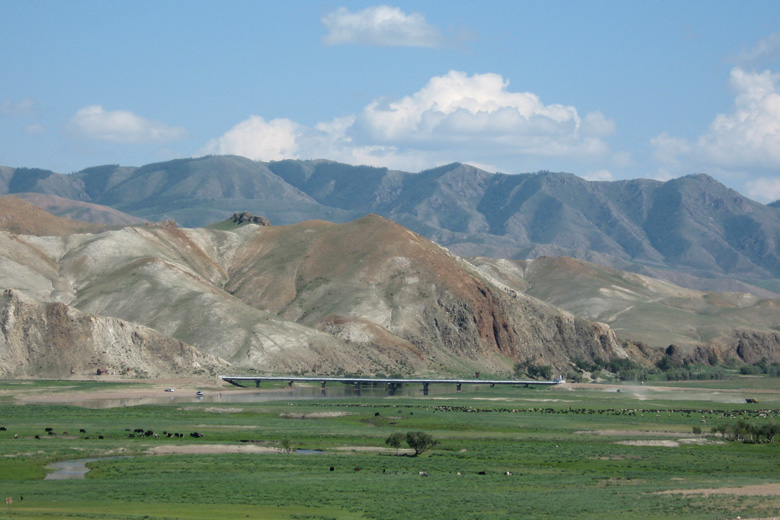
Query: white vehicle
point(199, 392)
point(169, 389)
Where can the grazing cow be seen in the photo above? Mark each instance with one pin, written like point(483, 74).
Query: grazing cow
point(480, 472)
point(138, 430)
point(358, 468)
point(82, 430)
point(156, 436)
point(100, 437)
point(376, 414)
point(131, 435)
point(457, 474)
point(64, 433)
point(423, 473)
point(332, 468)
point(48, 429)
point(16, 435)
point(37, 436)
point(149, 433)
point(3, 428)
point(52, 433)
point(508, 473)
point(197, 435)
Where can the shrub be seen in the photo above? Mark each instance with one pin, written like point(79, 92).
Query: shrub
point(395, 440)
point(420, 442)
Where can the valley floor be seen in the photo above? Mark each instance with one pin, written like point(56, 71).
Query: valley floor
point(578, 450)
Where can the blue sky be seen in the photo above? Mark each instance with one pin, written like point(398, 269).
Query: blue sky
point(604, 90)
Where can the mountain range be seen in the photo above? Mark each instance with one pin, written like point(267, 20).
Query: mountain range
point(692, 231)
point(136, 291)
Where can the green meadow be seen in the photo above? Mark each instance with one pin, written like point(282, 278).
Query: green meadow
point(589, 451)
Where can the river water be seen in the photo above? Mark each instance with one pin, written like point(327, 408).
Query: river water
point(299, 392)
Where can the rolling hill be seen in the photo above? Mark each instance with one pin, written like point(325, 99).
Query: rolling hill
point(368, 296)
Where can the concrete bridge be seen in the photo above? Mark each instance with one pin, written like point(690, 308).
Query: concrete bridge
point(392, 383)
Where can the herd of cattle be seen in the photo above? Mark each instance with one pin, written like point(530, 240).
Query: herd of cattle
point(138, 432)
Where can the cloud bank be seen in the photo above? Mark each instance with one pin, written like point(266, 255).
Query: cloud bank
point(453, 117)
point(747, 138)
point(380, 25)
point(120, 126)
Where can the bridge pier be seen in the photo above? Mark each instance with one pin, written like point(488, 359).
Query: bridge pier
point(257, 384)
point(289, 384)
point(323, 385)
point(391, 388)
point(457, 387)
point(425, 388)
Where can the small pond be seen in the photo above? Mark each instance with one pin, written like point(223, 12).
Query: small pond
point(71, 469)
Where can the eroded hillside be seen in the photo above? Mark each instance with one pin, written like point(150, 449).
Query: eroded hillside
point(368, 296)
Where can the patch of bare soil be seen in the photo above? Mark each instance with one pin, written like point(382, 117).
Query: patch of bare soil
point(621, 457)
point(663, 443)
point(313, 415)
point(375, 449)
point(212, 409)
point(144, 389)
point(210, 449)
point(623, 433)
point(759, 490)
point(662, 389)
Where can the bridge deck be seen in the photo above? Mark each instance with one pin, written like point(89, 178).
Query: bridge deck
point(235, 380)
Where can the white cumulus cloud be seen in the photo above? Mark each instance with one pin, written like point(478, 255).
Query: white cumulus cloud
point(454, 117)
point(744, 142)
point(457, 110)
point(120, 126)
point(380, 25)
point(258, 139)
point(765, 189)
point(599, 175)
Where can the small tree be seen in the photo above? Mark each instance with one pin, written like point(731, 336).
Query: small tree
point(395, 440)
point(420, 442)
point(287, 445)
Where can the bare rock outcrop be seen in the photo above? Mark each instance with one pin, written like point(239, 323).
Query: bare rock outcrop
point(245, 217)
point(55, 340)
point(753, 346)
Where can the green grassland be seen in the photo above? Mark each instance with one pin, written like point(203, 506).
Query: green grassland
point(585, 452)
